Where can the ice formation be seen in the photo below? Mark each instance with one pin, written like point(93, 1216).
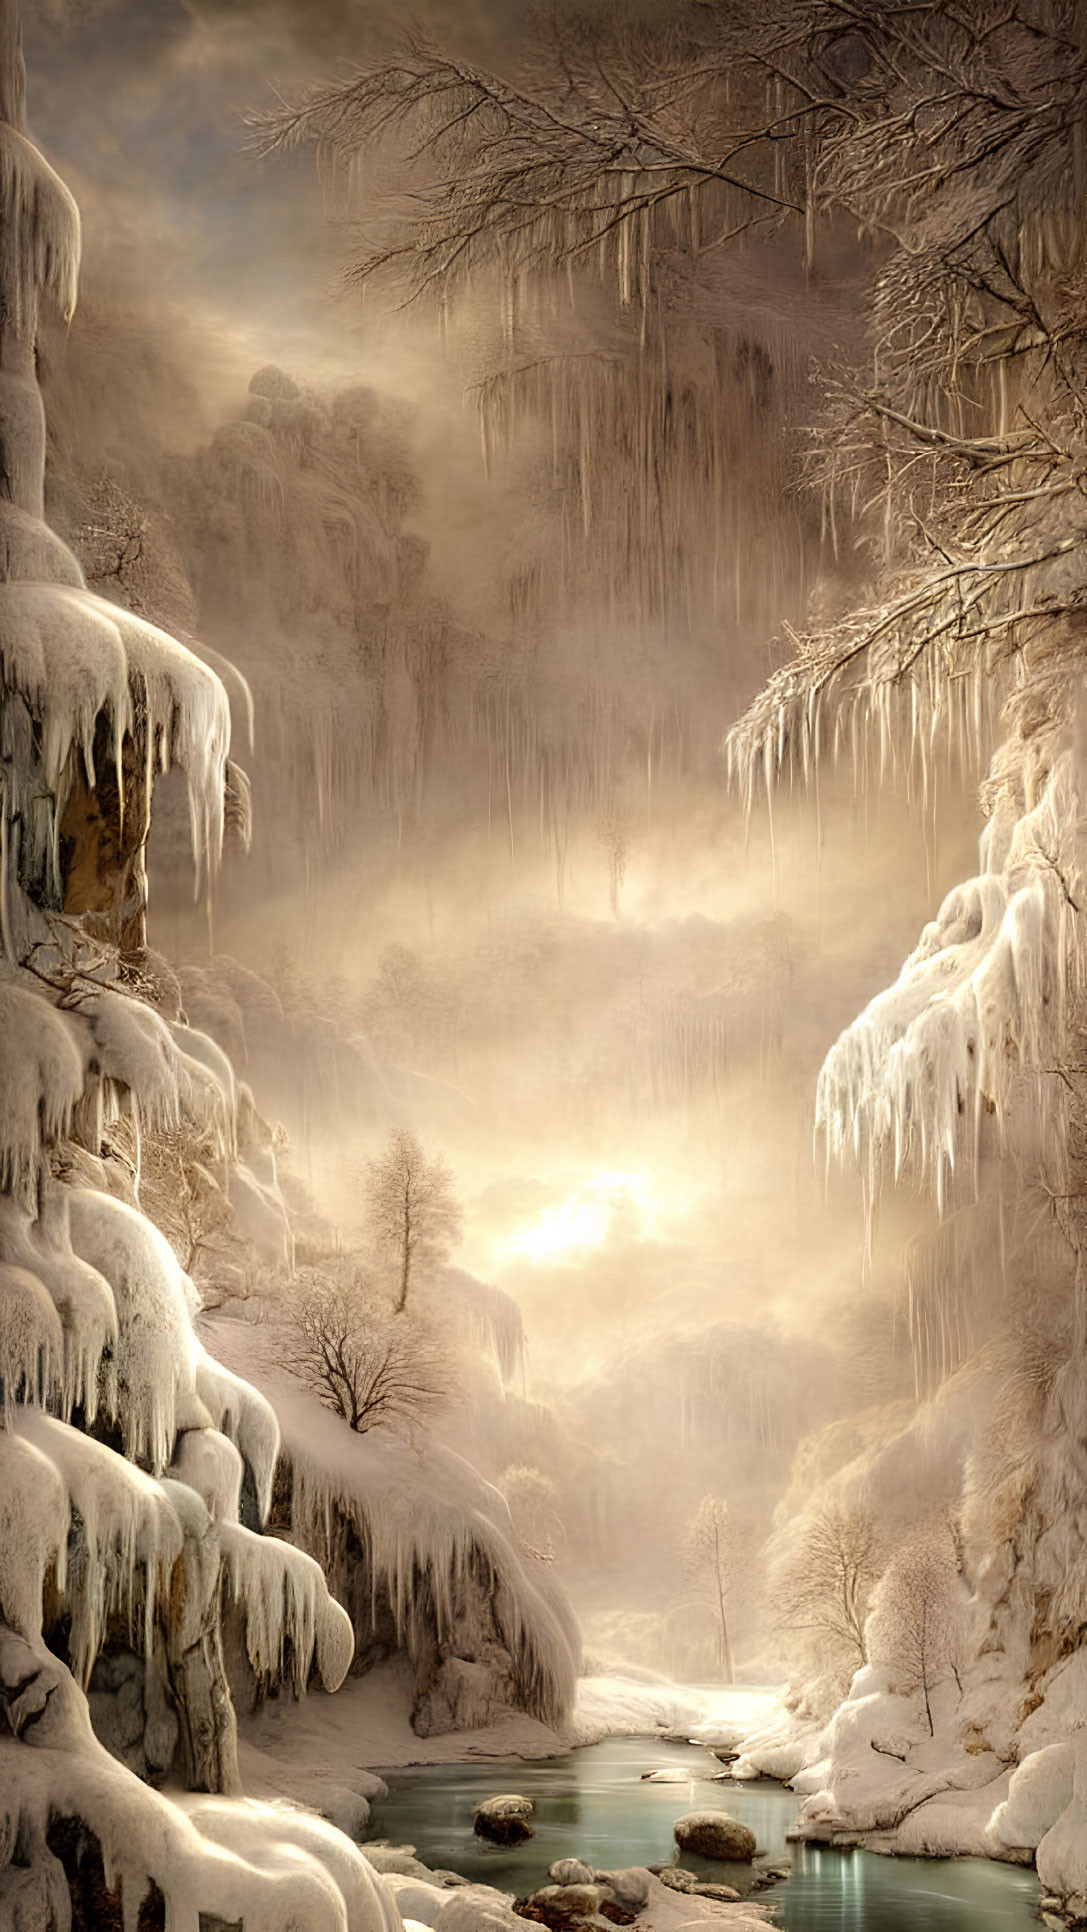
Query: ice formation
point(143, 1539)
point(440, 1549)
point(974, 1022)
point(123, 1447)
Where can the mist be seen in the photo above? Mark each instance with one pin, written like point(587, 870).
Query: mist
point(496, 861)
point(629, 617)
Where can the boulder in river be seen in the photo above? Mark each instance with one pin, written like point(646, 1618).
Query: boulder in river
point(678, 1880)
point(666, 1777)
point(504, 1819)
point(713, 1834)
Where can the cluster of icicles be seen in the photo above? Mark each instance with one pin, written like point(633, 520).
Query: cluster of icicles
point(96, 1330)
point(970, 1034)
point(962, 1053)
point(97, 1326)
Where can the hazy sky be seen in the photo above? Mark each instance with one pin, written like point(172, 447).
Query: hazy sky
point(140, 103)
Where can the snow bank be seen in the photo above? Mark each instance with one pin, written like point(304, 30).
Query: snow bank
point(1039, 1791)
point(640, 1705)
point(1062, 1853)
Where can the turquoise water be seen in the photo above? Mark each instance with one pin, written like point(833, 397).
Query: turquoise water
point(593, 1804)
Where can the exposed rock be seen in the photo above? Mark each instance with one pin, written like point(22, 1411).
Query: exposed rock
point(504, 1819)
point(344, 1808)
point(463, 1695)
point(713, 1834)
point(772, 1874)
point(398, 1859)
point(676, 1879)
point(666, 1777)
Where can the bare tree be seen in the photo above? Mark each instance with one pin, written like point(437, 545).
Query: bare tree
point(371, 1372)
point(412, 1211)
point(918, 1622)
point(709, 1554)
point(823, 1577)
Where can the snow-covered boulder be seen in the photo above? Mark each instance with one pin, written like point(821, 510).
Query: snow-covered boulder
point(1062, 1853)
point(571, 1871)
point(713, 1834)
point(1040, 1790)
point(566, 1905)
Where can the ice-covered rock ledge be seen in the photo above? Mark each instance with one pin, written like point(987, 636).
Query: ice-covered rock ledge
point(875, 1773)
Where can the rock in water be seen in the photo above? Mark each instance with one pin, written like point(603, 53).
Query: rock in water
point(676, 1879)
point(665, 1777)
point(713, 1834)
point(504, 1819)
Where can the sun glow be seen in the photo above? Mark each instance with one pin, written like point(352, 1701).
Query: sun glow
point(585, 1218)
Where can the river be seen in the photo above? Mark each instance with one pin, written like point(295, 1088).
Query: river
point(594, 1804)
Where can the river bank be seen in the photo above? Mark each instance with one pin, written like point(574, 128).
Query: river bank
point(411, 1801)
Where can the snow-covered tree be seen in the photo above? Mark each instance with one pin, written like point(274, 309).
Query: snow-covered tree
point(918, 1625)
point(710, 1556)
point(533, 1498)
point(412, 1212)
point(822, 1579)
